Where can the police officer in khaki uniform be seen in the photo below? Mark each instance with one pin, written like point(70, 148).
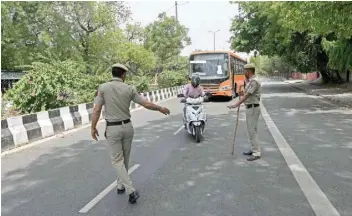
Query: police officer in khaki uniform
point(251, 99)
point(116, 97)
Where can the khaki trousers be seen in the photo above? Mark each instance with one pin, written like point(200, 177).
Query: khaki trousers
point(119, 139)
point(252, 117)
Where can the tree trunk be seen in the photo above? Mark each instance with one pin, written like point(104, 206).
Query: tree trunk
point(338, 76)
point(322, 61)
point(347, 76)
point(322, 66)
point(156, 79)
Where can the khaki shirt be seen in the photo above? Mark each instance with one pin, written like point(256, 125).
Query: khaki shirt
point(253, 87)
point(116, 96)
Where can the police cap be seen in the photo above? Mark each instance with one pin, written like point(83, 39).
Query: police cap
point(249, 66)
point(120, 66)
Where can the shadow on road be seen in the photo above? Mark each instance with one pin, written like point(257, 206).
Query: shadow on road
point(219, 99)
point(204, 179)
point(61, 181)
point(319, 133)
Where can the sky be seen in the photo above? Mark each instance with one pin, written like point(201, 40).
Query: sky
point(199, 17)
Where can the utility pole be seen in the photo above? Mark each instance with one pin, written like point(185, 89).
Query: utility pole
point(176, 11)
point(176, 7)
point(214, 32)
point(176, 23)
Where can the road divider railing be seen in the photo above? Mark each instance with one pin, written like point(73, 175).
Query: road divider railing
point(21, 130)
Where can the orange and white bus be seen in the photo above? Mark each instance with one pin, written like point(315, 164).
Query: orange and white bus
point(221, 72)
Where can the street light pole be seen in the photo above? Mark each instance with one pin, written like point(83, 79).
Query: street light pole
point(214, 32)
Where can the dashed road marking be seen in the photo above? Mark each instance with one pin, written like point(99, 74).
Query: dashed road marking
point(178, 130)
point(102, 194)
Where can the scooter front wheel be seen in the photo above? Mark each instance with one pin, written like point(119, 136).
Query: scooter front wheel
point(197, 134)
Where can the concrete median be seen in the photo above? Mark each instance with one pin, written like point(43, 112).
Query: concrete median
point(21, 130)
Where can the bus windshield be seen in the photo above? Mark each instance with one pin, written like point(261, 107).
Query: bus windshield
point(210, 65)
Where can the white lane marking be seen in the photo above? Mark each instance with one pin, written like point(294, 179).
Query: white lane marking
point(315, 196)
point(20, 148)
point(102, 194)
point(178, 130)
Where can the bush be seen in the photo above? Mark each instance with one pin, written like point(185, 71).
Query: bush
point(172, 78)
point(53, 85)
point(56, 84)
point(7, 110)
point(87, 87)
point(141, 83)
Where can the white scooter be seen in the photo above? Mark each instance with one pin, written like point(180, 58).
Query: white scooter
point(195, 116)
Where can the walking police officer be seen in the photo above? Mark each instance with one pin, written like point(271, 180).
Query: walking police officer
point(251, 99)
point(116, 97)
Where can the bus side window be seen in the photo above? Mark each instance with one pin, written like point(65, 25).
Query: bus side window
point(233, 66)
point(239, 67)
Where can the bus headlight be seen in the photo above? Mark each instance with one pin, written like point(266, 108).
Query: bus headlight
point(225, 88)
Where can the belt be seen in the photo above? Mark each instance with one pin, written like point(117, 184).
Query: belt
point(117, 123)
point(251, 105)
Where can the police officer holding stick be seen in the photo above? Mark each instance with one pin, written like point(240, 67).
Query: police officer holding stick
point(251, 99)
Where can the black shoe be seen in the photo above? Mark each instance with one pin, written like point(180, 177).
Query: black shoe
point(253, 158)
point(133, 197)
point(248, 153)
point(121, 191)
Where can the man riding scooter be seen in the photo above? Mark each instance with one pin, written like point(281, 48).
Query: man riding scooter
point(193, 90)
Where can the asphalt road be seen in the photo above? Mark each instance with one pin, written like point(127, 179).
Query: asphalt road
point(176, 176)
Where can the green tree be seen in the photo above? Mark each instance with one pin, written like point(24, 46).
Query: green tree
point(138, 59)
point(117, 48)
point(64, 28)
point(61, 40)
point(21, 32)
point(172, 78)
point(135, 33)
point(266, 65)
point(295, 31)
point(321, 18)
point(176, 72)
point(166, 37)
point(92, 18)
point(325, 22)
point(332, 21)
point(340, 55)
